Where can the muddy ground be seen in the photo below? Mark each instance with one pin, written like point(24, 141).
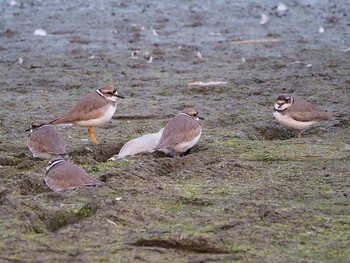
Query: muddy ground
point(248, 191)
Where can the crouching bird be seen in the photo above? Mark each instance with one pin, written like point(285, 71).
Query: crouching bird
point(181, 133)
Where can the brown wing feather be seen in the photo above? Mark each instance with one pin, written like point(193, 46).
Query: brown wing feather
point(66, 175)
point(178, 130)
point(86, 108)
point(46, 139)
point(302, 110)
point(34, 144)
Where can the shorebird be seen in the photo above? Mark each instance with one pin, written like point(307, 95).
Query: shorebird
point(181, 133)
point(61, 175)
point(92, 110)
point(44, 141)
point(297, 114)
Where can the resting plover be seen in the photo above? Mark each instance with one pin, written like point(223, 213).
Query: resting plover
point(181, 133)
point(44, 141)
point(61, 175)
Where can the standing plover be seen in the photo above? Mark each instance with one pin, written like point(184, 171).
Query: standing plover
point(297, 114)
point(92, 110)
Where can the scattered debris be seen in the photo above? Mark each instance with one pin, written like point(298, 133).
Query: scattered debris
point(199, 55)
point(209, 83)
point(154, 32)
point(254, 41)
point(7, 33)
point(243, 60)
point(134, 54)
point(20, 60)
point(321, 30)
point(264, 19)
point(148, 57)
point(40, 32)
point(150, 60)
point(214, 34)
point(309, 65)
point(346, 50)
point(282, 7)
point(13, 3)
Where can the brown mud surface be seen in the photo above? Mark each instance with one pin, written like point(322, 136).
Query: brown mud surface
point(248, 191)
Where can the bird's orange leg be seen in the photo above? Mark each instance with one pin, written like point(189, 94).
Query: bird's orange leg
point(92, 136)
point(299, 135)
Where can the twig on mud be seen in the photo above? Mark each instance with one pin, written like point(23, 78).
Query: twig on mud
point(209, 83)
point(254, 41)
point(111, 222)
point(346, 50)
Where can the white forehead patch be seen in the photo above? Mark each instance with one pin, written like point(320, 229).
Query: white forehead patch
point(54, 163)
point(107, 96)
point(281, 107)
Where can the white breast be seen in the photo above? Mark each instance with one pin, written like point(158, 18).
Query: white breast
point(290, 123)
point(108, 114)
point(183, 147)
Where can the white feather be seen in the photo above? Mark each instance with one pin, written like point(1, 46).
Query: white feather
point(183, 147)
point(290, 123)
point(145, 143)
point(101, 120)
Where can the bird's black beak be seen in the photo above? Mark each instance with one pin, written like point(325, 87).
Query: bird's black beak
point(115, 93)
point(201, 118)
point(27, 130)
point(119, 96)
